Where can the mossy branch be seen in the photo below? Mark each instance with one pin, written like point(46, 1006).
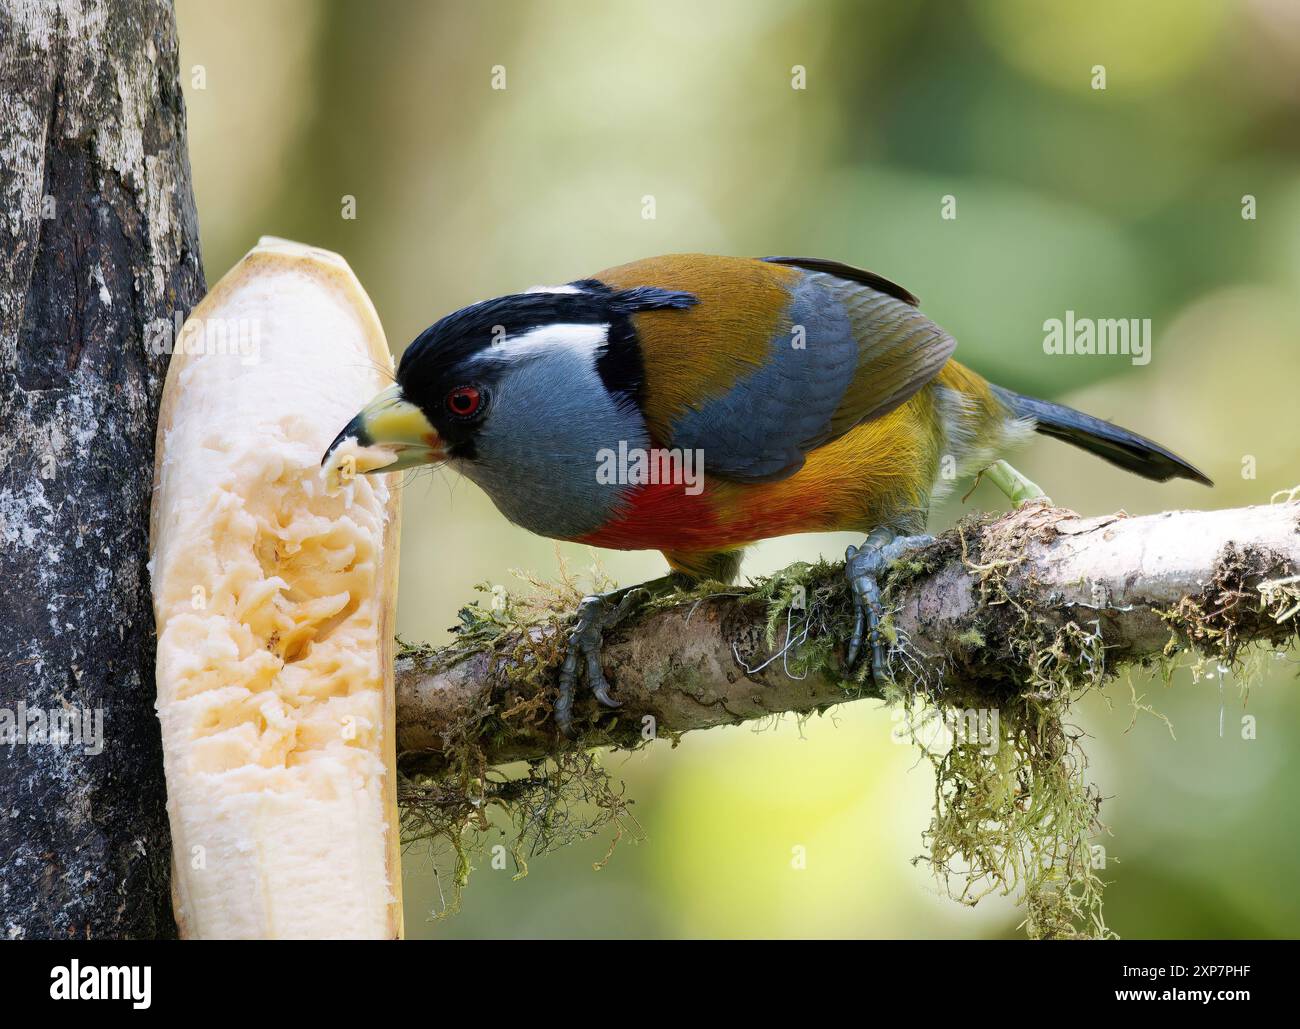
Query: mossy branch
point(996, 610)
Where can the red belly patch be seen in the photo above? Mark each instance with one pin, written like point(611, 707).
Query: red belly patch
point(664, 517)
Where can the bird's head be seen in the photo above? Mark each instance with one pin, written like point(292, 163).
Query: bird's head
point(506, 373)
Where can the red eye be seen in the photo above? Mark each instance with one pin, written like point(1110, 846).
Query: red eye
point(463, 401)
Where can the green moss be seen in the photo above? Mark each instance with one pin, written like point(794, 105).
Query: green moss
point(565, 798)
point(1014, 812)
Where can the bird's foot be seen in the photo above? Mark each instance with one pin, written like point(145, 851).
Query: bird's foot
point(864, 566)
point(595, 614)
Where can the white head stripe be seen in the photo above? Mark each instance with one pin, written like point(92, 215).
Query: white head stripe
point(554, 289)
point(584, 337)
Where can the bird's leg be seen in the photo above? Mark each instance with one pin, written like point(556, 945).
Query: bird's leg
point(865, 565)
point(1017, 488)
point(597, 613)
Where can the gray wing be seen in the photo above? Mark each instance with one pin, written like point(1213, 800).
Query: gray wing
point(848, 349)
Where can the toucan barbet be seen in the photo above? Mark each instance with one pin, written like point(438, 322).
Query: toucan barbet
point(696, 404)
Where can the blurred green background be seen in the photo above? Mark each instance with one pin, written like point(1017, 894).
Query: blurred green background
point(1123, 202)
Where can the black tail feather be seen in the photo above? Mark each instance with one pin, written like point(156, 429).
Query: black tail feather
point(1111, 443)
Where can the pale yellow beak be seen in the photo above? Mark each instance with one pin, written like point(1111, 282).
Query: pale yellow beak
point(391, 422)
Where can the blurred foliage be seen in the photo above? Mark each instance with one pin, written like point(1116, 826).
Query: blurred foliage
point(1123, 202)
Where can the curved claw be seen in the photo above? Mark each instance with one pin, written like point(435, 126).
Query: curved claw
point(596, 680)
point(864, 565)
point(600, 690)
point(585, 641)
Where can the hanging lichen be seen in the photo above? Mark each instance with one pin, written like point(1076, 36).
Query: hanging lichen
point(534, 807)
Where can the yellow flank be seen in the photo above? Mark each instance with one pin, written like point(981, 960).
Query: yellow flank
point(879, 472)
point(987, 421)
point(959, 377)
point(869, 476)
point(695, 355)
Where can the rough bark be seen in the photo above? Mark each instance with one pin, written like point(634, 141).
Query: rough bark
point(98, 248)
point(1138, 583)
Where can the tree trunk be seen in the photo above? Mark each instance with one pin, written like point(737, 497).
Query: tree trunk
point(98, 248)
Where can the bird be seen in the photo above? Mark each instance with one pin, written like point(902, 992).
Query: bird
point(697, 404)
